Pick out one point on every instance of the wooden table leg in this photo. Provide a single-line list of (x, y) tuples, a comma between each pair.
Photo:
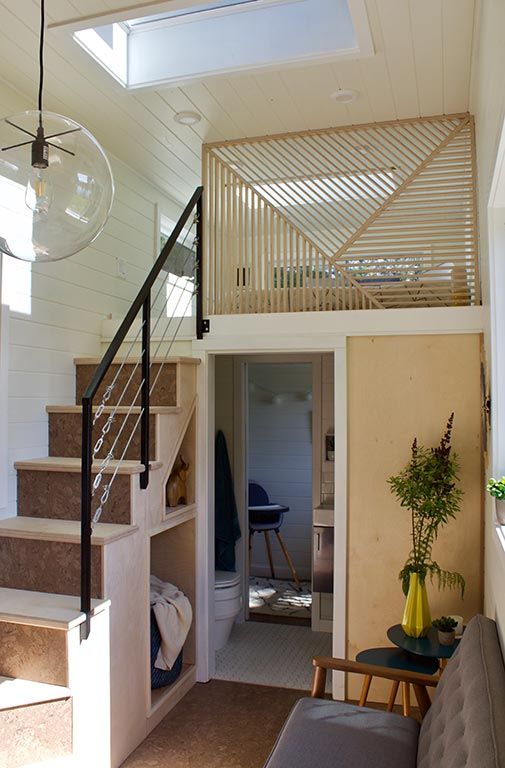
[(392, 695), (364, 691), (423, 699), (269, 551), (406, 699)]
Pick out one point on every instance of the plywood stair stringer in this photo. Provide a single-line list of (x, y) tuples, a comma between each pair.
[(173, 453)]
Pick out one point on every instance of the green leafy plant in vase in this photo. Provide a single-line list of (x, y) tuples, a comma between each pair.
[(427, 488)]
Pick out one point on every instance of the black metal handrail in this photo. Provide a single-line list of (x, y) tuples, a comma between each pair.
[(141, 302)]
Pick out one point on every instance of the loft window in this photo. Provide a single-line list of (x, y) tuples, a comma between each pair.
[(179, 43)]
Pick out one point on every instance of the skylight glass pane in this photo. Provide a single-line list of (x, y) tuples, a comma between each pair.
[(213, 6)]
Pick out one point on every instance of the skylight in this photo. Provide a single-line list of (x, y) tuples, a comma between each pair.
[(187, 11), (191, 39)]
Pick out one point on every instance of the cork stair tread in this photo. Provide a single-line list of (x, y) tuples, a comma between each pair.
[(161, 410), (71, 464), (15, 692), (53, 529), (44, 609), (128, 361)]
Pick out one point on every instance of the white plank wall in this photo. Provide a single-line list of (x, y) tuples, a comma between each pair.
[(70, 300), (280, 459)]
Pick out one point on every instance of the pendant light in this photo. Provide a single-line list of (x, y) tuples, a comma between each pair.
[(56, 185)]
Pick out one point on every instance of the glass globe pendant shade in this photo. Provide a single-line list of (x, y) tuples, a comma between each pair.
[(56, 186)]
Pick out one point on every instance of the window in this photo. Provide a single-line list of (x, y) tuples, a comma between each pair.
[(180, 296), (180, 280), (16, 284), (15, 275)]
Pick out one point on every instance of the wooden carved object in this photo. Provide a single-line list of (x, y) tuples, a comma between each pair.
[(176, 485)]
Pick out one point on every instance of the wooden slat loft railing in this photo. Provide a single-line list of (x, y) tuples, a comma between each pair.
[(359, 217)]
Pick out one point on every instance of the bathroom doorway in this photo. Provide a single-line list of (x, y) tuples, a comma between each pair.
[(276, 412), (279, 474)]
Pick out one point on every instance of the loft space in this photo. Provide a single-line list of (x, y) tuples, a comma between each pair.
[(179, 43)]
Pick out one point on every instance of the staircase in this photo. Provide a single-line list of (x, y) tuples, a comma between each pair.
[(40, 581), (75, 687)]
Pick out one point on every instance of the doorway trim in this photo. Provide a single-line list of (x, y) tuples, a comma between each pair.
[(273, 345), (240, 447)]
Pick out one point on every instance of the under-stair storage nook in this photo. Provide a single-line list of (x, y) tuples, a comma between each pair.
[(173, 560)]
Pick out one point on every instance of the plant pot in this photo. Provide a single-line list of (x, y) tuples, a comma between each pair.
[(500, 511), (446, 638), (416, 616)]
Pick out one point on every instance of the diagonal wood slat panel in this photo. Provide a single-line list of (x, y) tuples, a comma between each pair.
[(257, 261), (384, 212)]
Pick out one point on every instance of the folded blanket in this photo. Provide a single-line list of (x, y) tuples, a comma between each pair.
[(173, 615)]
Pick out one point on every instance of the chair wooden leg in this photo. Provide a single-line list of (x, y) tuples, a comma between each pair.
[(364, 690), (319, 683), (288, 558), (392, 695), (406, 699), (269, 551)]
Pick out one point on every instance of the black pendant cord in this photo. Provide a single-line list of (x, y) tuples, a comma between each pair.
[(41, 56), (40, 139)]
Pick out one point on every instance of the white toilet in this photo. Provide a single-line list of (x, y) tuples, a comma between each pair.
[(227, 605)]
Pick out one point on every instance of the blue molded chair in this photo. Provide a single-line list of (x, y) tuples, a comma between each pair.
[(264, 516)]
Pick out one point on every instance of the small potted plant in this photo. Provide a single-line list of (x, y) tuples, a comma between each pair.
[(446, 626), (496, 488)]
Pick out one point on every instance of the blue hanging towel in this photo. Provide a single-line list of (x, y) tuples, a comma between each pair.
[(227, 524)]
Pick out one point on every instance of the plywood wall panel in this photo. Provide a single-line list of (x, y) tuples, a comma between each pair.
[(400, 387)]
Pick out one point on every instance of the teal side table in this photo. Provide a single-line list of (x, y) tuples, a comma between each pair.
[(395, 658)]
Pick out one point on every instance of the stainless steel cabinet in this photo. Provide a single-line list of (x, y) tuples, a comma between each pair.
[(322, 559)]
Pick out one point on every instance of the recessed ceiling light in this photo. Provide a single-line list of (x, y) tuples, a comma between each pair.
[(187, 118), (344, 95)]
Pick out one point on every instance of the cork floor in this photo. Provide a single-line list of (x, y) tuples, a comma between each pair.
[(217, 725)]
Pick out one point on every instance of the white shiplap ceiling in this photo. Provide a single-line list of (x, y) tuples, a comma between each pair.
[(421, 67)]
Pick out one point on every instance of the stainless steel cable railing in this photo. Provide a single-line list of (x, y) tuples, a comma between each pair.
[(143, 304)]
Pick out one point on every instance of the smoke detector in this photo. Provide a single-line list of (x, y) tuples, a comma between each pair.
[(344, 95)]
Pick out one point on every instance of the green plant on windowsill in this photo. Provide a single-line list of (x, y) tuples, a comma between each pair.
[(496, 488), (427, 488)]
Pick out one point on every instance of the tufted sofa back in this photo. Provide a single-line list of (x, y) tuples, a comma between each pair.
[(465, 726)]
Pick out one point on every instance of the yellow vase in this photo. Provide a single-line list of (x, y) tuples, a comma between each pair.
[(416, 616)]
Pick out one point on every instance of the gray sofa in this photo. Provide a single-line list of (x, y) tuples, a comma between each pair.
[(463, 728)]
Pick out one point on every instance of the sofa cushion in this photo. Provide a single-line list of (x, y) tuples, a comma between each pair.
[(464, 726), (331, 734)]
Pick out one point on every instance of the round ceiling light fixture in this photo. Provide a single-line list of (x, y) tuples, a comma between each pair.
[(344, 95), (187, 118), (56, 185)]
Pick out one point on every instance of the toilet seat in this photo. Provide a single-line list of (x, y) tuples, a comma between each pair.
[(226, 579)]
